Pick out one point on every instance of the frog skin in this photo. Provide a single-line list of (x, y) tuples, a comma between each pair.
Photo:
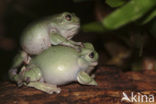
[(58, 65), (54, 30)]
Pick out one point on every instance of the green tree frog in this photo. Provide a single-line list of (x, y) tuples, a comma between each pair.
[(54, 30), (58, 65)]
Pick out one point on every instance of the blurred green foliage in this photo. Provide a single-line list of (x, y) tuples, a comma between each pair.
[(150, 17), (129, 12), (115, 3), (153, 28), (76, 1)]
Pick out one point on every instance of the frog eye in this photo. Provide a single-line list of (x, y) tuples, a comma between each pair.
[(91, 55), (68, 17)]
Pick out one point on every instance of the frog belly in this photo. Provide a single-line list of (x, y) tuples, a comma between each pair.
[(59, 77), (58, 64)]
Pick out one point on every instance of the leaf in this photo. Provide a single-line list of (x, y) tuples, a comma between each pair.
[(153, 28), (115, 3), (131, 11), (150, 17), (94, 26), (77, 1)]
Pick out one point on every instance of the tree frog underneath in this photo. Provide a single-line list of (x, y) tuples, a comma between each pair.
[(53, 30), (58, 65)]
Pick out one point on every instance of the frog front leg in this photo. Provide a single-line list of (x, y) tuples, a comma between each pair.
[(57, 39), (32, 77), (84, 78)]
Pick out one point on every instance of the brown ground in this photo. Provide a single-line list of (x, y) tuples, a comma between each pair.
[(111, 84)]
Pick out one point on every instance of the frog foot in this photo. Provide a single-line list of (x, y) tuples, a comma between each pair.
[(45, 87), (52, 90), (20, 83), (92, 76), (80, 44), (27, 59)]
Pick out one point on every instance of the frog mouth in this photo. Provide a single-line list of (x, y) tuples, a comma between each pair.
[(72, 32), (76, 25), (94, 63)]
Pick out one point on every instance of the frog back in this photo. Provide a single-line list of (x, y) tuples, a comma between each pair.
[(35, 38)]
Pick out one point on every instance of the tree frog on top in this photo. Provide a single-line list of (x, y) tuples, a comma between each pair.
[(58, 65), (54, 30)]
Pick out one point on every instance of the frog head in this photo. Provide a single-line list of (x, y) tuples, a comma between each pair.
[(88, 56), (67, 24)]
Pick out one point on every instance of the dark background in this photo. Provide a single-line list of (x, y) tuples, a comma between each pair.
[(15, 15)]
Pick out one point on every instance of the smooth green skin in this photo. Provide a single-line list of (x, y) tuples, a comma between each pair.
[(58, 65), (54, 30)]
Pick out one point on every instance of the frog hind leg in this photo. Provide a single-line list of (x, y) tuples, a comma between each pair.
[(13, 75), (20, 58), (32, 77), (45, 87), (17, 62)]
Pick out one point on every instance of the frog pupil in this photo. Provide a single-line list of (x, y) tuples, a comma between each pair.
[(91, 55)]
